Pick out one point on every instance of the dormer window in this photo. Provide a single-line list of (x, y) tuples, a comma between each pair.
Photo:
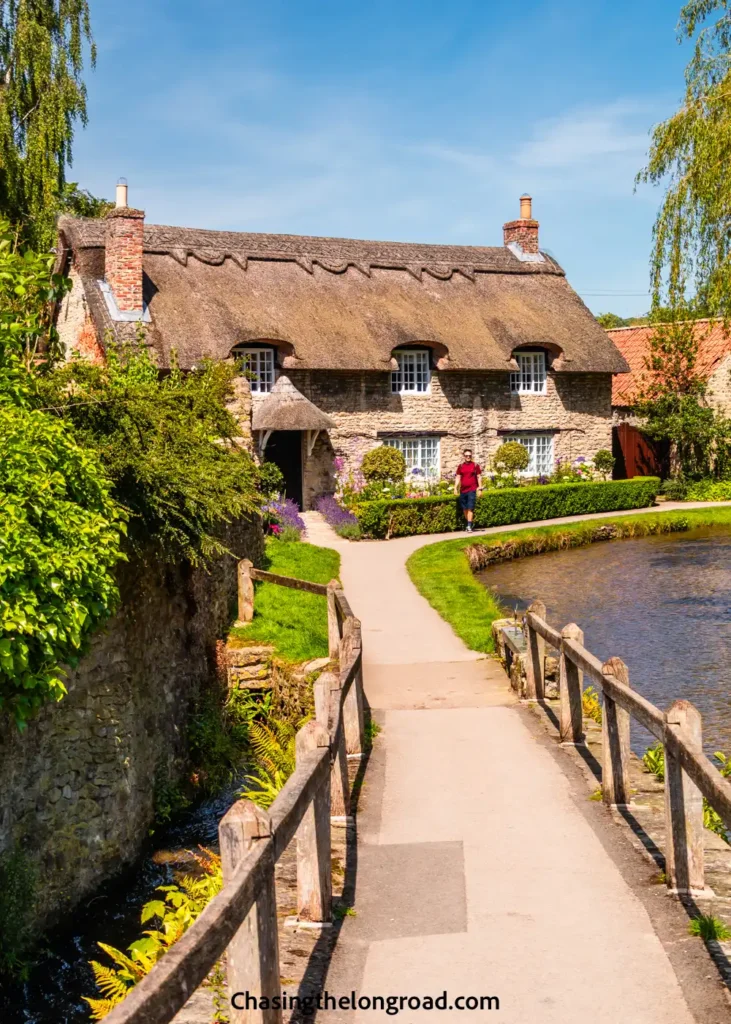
[(258, 364), (531, 377), (413, 375)]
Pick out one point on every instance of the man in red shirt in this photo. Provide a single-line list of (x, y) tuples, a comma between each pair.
[(467, 485)]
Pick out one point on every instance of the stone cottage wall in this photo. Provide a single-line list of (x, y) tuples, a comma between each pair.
[(475, 409), (77, 788)]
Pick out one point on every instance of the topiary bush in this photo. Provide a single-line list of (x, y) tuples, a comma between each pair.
[(384, 464), (501, 507), (512, 456), (604, 462)]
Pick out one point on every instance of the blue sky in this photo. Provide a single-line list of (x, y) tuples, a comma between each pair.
[(409, 119)]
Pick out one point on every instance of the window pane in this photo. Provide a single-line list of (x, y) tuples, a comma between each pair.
[(421, 453), (413, 373), (259, 366), (540, 450), (532, 374)]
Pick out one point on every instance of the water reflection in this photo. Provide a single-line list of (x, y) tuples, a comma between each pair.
[(662, 604)]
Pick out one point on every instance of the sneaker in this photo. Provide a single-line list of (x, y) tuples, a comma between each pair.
[(469, 527)]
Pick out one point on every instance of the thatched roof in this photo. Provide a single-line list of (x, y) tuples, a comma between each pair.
[(286, 408), (345, 304)]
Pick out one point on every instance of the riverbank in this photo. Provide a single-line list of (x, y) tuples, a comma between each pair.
[(443, 572)]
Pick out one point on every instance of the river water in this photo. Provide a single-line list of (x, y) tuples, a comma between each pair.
[(662, 604), (60, 975)]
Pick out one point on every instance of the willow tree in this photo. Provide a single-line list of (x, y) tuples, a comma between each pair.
[(42, 95), (691, 154)]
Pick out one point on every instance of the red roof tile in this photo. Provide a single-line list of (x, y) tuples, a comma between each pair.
[(634, 344)]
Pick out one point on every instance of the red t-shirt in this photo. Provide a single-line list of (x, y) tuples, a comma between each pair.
[(468, 473)]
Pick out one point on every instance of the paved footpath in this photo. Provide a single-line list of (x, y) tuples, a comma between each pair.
[(478, 871)]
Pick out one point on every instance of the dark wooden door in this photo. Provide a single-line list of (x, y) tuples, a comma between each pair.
[(284, 448), (637, 455)]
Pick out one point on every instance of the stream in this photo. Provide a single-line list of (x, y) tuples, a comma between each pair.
[(61, 975), (662, 604)]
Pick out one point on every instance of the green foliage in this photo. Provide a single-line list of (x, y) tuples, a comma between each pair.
[(273, 746), (175, 913), (675, 489), (289, 535), (604, 462), (609, 320), (59, 542), (79, 202), (591, 705), (271, 479), (689, 155), (18, 885), (349, 531), (384, 464), (511, 457), (709, 928), (442, 573), (218, 735), (704, 490), (41, 56), (166, 442), (654, 761), (503, 506), (293, 621)]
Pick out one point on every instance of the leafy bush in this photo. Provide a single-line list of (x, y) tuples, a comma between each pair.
[(591, 705), (604, 462), (504, 506), (384, 463), (166, 443), (654, 761), (675, 489), (707, 490), (512, 456), (271, 479), (60, 534)]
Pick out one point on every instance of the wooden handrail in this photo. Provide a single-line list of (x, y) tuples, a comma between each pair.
[(242, 918), (689, 774)]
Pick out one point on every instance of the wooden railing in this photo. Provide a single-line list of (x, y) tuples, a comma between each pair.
[(689, 774), (241, 920)]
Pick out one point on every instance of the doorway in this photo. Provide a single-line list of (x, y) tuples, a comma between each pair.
[(284, 449)]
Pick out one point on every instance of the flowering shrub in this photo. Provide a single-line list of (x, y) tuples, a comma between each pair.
[(342, 521), (284, 519)]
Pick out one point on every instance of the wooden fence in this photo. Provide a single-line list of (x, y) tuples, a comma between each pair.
[(689, 774), (241, 920)]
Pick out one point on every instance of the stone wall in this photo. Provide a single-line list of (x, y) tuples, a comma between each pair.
[(475, 409), (77, 787)]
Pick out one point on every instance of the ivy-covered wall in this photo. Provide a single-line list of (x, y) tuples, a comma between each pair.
[(77, 788)]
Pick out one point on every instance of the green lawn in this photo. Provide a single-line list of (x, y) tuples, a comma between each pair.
[(293, 621), (441, 572)]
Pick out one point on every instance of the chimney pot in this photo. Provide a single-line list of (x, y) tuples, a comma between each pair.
[(121, 193), (523, 232)]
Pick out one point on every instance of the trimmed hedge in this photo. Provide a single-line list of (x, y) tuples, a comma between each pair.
[(708, 490), (501, 507)]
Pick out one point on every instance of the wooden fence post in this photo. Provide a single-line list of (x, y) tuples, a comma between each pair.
[(253, 953), (616, 790), (571, 686), (333, 627), (314, 868), (246, 592), (535, 656), (327, 709), (351, 646), (684, 860)]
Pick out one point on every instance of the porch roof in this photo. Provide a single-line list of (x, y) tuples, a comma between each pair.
[(286, 408)]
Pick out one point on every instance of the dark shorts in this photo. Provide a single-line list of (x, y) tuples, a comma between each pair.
[(467, 501)]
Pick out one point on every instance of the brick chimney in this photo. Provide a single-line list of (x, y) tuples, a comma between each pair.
[(523, 232), (123, 258)]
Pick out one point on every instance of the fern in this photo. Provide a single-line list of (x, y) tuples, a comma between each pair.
[(273, 746), (178, 909), (591, 705)]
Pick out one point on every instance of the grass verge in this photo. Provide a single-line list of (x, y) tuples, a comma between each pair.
[(443, 574), (294, 622)]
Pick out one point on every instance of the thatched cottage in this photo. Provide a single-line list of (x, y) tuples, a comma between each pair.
[(351, 344)]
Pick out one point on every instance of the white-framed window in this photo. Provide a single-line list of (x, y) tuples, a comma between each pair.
[(259, 366), (413, 375), (531, 377), (540, 449), (420, 453)]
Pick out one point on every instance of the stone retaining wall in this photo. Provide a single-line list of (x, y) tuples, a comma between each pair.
[(77, 788)]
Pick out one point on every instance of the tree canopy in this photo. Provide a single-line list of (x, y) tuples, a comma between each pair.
[(42, 96), (691, 151)]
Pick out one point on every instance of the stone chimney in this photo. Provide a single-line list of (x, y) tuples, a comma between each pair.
[(123, 258), (523, 232)]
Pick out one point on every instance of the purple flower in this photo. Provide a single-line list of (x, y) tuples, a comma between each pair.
[(333, 513), (338, 463), (286, 513), (581, 459)]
